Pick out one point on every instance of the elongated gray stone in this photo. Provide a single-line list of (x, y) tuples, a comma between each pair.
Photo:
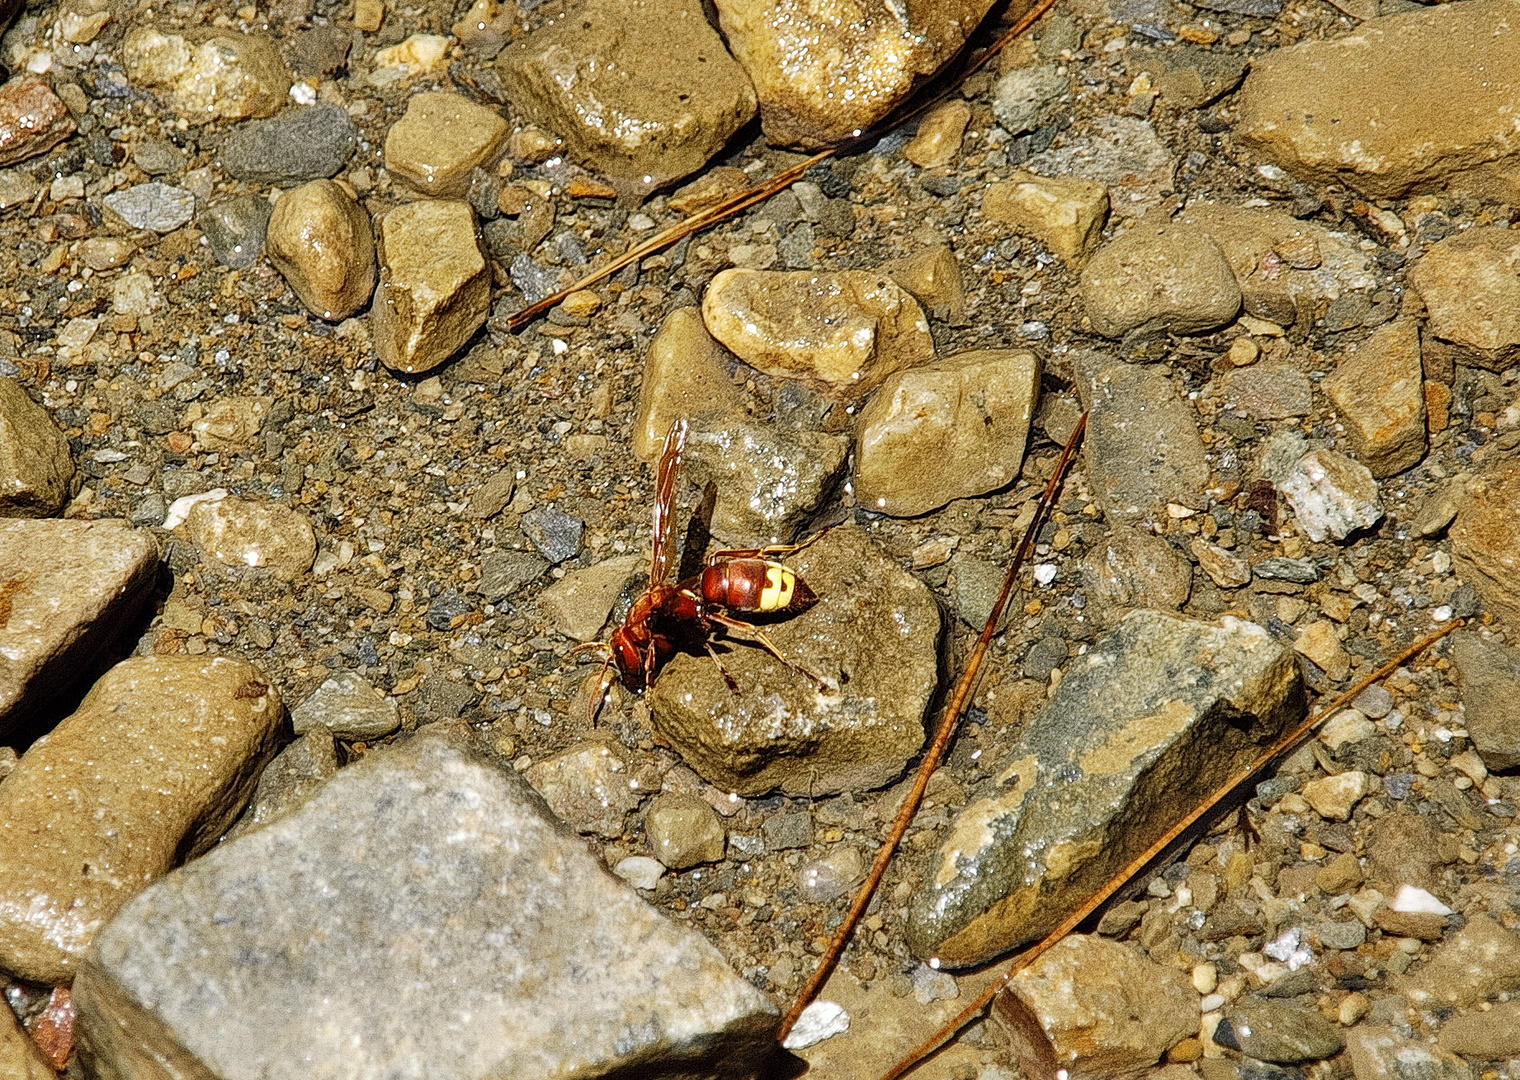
[(67, 589), (1156, 715), (421, 915)]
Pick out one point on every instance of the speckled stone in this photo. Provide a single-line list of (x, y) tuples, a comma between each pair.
[(210, 74), (435, 286), (36, 467)]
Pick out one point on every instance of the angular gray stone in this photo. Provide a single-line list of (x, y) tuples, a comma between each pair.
[(1023, 98), (36, 468), (349, 707), (872, 635), (1477, 963), (70, 589), (157, 207), (1142, 447), (425, 907), (298, 145), (1332, 495), (770, 479), (290, 779), (236, 228), (1153, 717)]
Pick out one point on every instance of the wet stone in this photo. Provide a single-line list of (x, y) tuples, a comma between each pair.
[(73, 587), (685, 376), (1169, 278), (591, 787), (236, 227), (1121, 739), (208, 75), (1278, 1032), (311, 143), (435, 286), (349, 707), (847, 329), (640, 91), (33, 120), (36, 467), (1489, 675), (1142, 449), (1471, 287), (769, 479), (442, 855), (879, 50), (872, 635), (200, 730), (943, 431), (683, 831), (1382, 1053), (243, 533), (1331, 495), (157, 207), (1407, 102), (320, 240), (1066, 214), (1378, 389), (1096, 1007), (441, 140), (556, 534)]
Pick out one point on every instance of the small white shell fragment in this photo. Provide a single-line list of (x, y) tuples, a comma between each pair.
[(1417, 901), (640, 871), (820, 1020), (179, 509)]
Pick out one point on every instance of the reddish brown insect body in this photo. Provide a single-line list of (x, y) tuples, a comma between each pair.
[(685, 616)]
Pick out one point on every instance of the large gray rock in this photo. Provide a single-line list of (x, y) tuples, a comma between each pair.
[(71, 588), (872, 634), (1156, 715), (1142, 447), (422, 915)]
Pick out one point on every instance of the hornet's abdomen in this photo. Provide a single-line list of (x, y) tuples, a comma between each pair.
[(755, 585)]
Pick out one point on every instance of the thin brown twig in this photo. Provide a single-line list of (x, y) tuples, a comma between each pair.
[(1072, 921), (964, 689), (760, 192)]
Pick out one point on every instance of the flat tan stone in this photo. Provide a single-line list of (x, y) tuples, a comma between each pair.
[(67, 590), (1379, 391), (948, 430), (240, 532), (639, 89), (938, 139), (19, 1057), (1401, 104), (933, 276), (155, 765), (848, 330), (1485, 540), (685, 375), (441, 139), (33, 120), (1471, 287), (36, 468), (1066, 214), (829, 69), (321, 240), (435, 287), (1171, 278)]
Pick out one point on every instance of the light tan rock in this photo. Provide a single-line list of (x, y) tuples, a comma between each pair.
[(71, 587), (243, 533), (683, 831), (933, 276), (685, 375), (1066, 214), (1471, 287), (827, 69), (435, 287), (1379, 391), (1169, 278), (938, 139), (19, 1057), (578, 603), (36, 468), (231, 423), (1097, 1008), (1485, 539), (1402, 104), (1227, 570), (1334, 797), (208, 75), (33, 120), (848, 330), (948, 430), (441, 139), (640, 90), (157, 762), (320, 239)]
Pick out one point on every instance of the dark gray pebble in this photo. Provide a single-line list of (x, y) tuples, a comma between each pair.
[(298, 145)]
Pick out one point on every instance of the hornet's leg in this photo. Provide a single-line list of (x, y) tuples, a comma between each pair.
[(751, 632)]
